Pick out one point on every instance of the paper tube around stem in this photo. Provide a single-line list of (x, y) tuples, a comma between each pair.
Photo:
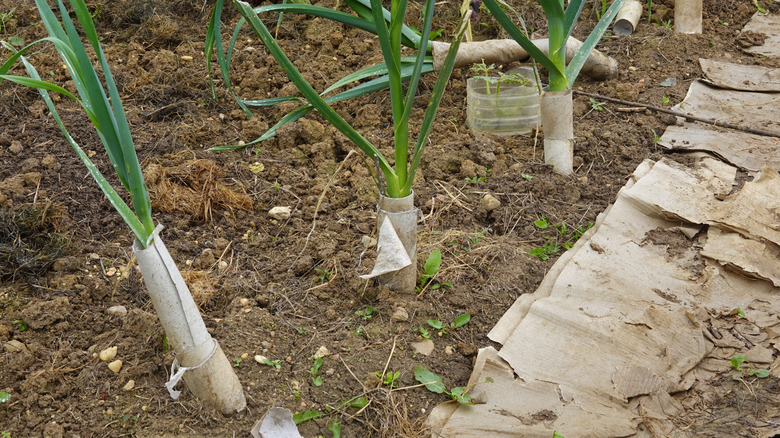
[(558, 125), (213, 379), (403, 217), (687, 16)]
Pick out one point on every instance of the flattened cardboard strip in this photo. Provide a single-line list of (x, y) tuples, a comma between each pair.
[(747, 108), (741, 77), (747, 151), (768, 25)]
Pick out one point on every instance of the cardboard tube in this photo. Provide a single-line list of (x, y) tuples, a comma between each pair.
[(558, 125), (627, 17), (597, 66), (403, 217), (206, 370), (687, 16)]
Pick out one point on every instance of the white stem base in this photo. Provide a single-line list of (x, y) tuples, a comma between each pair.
[(403, 217), (204, 366), (558, 125)]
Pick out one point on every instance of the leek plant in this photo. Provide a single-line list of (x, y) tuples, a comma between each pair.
[(397, 216), (211, 377), (557, 120), (364, 19)]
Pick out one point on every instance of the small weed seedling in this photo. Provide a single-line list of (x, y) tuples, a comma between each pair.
[(434, 383), (389, 379), (334, 427), (300, 417), (665, 100), (656, 138), (460, 321), (598, 106), (5, 17), (755, 2), (482, 71), (238, 362), (272, 363), (4, 397), (431, 268), (315, 368), (365, 314), (737, 363), (323, 274), (564, 238), (423, 332), (20, 325), (476, 179)]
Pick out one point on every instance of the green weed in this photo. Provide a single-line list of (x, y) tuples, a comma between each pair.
[(434, 384), (315, 368), (563, 239), (737, 363)]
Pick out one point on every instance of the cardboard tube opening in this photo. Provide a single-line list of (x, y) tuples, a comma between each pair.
[(558, 125), (627, 17), (687, 16)]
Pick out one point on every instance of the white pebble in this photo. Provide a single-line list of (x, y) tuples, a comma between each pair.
[(117, 310), (280, 213), (108, 354), (115, 366)]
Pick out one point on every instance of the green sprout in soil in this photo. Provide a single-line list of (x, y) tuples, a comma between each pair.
[(389, 379), (665, 101), (598, 106), (564, 238), (238, 362), (434, 383), (20, 325), (334, 427), (272, 363), (430, 270), (365, 314), (315, 368), (423, 332), (737, 363), (475, 179), (656, 138), (458, 322), (5, 17), (4, 397), (323, 274), (301, 417)]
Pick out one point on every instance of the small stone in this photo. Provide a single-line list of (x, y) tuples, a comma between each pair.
[(94, 256), (245, 356), (186, 58), (13, 346), (117, 310), (110, 411), (448, 350), (399, 315), (223, 264), (632, 68), (489, 203), (129, 385), (244, 302), (424, 347), (330, 371), (115, 366), (260, 359), (280, 213), (111, 272), (266, 344), (321, 352), (108, 354), (15, 147)]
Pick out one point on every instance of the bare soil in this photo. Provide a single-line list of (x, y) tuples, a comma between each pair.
[(285, 288)]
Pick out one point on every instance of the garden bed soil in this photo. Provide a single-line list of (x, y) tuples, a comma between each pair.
[(284, 288)]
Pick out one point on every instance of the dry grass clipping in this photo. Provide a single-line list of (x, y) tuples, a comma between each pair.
[(195, 187)]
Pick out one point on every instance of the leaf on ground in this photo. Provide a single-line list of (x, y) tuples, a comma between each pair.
[(431, 381)]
